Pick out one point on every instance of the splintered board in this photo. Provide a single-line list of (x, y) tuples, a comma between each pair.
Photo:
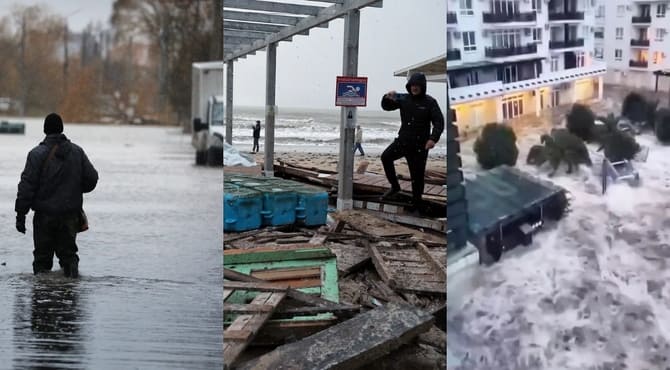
[(412, 269), (245, 327), (307, 268), (352, 344)]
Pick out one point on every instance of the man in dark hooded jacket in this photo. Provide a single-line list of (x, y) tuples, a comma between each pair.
[(56, 175), (415, 138)]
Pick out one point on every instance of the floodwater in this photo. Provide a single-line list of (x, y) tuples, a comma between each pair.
[(149, 295)]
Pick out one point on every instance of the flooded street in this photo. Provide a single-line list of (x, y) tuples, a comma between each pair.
[(149, 295)]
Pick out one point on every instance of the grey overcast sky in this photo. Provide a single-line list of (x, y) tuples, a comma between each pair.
[(85, 11), (402, 33)]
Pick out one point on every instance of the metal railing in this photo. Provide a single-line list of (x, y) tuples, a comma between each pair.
[(509, 17), (562, 44), (500, 52)]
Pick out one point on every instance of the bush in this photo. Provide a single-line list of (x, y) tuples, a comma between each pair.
[(619, 146), (635, 108), (662, 127), (581, 122), (496, 146)]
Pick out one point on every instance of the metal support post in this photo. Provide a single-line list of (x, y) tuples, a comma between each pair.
[(270, 108), (348, 116), (229, 102)]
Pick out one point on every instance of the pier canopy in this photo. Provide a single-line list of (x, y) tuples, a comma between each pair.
[(435, 69), (252, 25)]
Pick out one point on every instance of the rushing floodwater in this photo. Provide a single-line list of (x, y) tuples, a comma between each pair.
[(149, 296)]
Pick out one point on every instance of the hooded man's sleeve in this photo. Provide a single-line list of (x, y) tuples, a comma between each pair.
[(89, 175), (27, 186), (389, 104), (438, 122)]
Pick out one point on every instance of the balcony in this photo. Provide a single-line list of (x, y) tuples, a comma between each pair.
[(642, 19), (502, 52), (639, 43), (453, 54), (638, 64), (566, 16), (599, 35), (451, 18), (509, 17), (565, 44)]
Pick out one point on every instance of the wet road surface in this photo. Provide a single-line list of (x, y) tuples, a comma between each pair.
[(149, 295)]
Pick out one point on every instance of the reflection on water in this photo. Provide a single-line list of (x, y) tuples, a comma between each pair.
[(149, 295), (55, 313)]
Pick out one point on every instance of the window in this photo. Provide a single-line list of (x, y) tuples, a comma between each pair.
[(599, 33), (660, 10), (472, 78), (504, 6), (618, 54), (660, 32), (510, 74), (506, 39), (554, 64), (466, 7), (600, 12), (598, 53), (537, 34), (620, 10), (536, 5), (580, 59), (469, 41), (619, 33), (512, 107), (659, 57)]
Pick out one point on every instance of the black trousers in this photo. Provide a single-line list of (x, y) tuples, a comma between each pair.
[(416, 157), (256, 146), (54, 234)]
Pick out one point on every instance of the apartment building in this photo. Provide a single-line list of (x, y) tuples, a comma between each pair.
[(508, 58), (632, 38)]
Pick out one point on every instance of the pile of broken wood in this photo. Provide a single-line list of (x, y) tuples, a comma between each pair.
[(392, 300)]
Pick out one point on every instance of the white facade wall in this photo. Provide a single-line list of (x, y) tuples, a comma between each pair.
[(619, 71)]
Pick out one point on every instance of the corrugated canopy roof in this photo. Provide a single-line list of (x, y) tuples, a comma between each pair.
[(251, 25), (435, 69)]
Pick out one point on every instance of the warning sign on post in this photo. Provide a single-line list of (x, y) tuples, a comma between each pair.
[(351, 91)]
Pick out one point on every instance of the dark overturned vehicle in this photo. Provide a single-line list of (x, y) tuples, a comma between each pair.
[(207, 113)]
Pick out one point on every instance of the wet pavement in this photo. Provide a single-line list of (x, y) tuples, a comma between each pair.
[(149, 295)]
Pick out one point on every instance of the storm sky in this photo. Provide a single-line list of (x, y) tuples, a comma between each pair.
[(401, 34)]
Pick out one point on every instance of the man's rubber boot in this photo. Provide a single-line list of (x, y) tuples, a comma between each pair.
[(391, 192), (71, 270)]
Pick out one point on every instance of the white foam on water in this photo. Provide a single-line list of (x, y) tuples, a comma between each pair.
[(589, 293)]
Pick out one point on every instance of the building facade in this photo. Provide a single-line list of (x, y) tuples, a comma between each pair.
[(632, 38), (509, 58)]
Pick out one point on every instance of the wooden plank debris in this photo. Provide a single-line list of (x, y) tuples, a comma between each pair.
[(350, 344), (244, 328), (411, 269), (349, 258), (370, 225)]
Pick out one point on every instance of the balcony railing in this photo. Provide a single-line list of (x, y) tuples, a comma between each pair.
[(501, 52), (509, 17), (639, 63), (639, 42), (453, 54), (566, 16), (563, 44), (451, 18), (642, 19), (599, 35)]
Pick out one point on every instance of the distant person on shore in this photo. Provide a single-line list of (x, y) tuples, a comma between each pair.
[(417, 111), (359, 140), (56, 175), (257, 135)]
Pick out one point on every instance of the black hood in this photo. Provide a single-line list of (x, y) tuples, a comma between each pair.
[(417, 79)]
